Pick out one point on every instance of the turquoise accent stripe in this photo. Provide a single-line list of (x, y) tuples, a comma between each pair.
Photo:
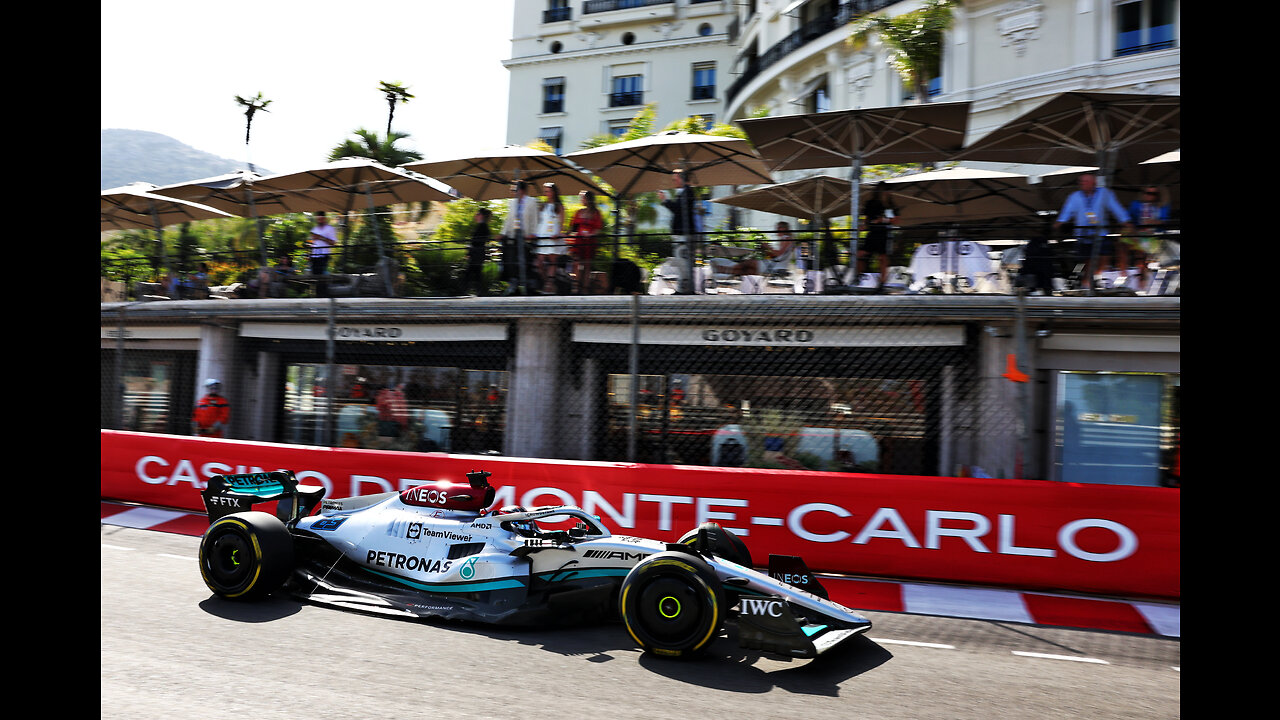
[(562, 575), (811, 630), (453, 587)]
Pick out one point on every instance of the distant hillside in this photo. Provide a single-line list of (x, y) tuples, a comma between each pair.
[(141, 156)]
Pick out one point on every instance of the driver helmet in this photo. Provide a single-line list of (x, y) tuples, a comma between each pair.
[(527, 528)]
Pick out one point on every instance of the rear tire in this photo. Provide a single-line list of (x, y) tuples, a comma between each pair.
[(672, 604), (724, 544), (245, 556)]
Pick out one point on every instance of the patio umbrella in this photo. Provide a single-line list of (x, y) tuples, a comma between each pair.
[(931, 132), (234, 193), (817, 197), (134, 206), (645, 164), (961, 194), (488, 176), (1109, 130), (341, 184)]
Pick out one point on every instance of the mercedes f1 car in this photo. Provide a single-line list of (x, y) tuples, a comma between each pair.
[(441, 551)]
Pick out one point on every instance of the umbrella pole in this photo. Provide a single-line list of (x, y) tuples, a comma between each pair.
[(381, 267), (257, 224), (856, 180), (164, 256)]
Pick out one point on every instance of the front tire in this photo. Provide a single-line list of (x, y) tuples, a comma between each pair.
[(245, 556), (672, 604)]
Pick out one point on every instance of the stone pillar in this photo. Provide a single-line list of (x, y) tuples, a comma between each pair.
[(533, 400)]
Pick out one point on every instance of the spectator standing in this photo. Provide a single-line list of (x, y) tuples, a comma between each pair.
[(518, 230), (212, 413), (878, 214), (584, 232), (477, 252), (323, 238), (550, 244), (1086, 210), (683, 226), (1149, 213)]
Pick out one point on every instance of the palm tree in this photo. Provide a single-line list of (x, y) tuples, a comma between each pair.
[(368, 144), (251, 106), (394, 92), (913, 40)]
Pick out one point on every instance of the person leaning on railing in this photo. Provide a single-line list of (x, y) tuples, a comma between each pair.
[(1086, 212)]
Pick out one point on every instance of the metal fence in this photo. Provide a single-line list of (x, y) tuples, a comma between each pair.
[(841, 383)]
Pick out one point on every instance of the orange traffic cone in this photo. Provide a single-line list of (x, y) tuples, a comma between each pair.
[(1011, 370)]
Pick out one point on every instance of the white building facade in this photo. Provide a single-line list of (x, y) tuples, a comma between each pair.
[(1003, 56), (586, 67)]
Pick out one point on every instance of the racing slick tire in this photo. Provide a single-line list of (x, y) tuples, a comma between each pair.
[(672, 604), (246, 555), (724, 544)]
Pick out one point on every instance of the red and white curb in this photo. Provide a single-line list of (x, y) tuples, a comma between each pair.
[(1017, 606)]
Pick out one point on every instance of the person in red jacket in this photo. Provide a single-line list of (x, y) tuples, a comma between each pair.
[(212, 413)]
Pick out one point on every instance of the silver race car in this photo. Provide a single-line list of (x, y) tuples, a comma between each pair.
[(439, 551)]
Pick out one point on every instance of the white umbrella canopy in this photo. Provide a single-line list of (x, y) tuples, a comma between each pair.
[(488, 176), (820, 196), (344, 184), (1110, 130), (646, 164), (134, 206), (931, 132), (234, 193), (961, 194)]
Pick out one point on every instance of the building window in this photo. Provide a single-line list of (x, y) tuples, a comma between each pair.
[(818, 100), (557, 11), (553, 95), (391, 407), (934, 89), (627, 90), (707, 121), (704, 81), (553, 136), (1117, 428), (617, 128), (1144, 25)]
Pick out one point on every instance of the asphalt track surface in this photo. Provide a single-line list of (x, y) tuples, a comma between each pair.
[(171, 649)]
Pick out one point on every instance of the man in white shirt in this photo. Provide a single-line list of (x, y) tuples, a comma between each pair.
[(323, 238), (517, 227)]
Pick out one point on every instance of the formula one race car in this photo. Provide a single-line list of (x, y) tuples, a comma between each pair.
[(437, 551)]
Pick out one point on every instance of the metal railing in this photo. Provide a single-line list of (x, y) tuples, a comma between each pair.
[(428, 267)]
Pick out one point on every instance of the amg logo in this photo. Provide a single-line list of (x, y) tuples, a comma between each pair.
[(615, 555), (757, 606)]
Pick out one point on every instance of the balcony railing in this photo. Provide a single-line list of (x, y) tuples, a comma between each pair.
[(557, 14), (624, 99), (810, 31), (598, 6), (704, 92)]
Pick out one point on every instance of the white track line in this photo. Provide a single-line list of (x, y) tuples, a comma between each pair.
[(1072, 658)]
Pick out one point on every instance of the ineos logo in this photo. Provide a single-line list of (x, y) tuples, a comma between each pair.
[(423, 496)]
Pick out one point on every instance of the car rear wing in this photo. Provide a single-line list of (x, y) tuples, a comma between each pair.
[(228, 494)]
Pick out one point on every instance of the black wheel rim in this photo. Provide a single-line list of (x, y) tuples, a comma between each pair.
[(229, 560), (671, 610)]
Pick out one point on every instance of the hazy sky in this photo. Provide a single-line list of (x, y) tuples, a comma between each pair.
[(175, 67)]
